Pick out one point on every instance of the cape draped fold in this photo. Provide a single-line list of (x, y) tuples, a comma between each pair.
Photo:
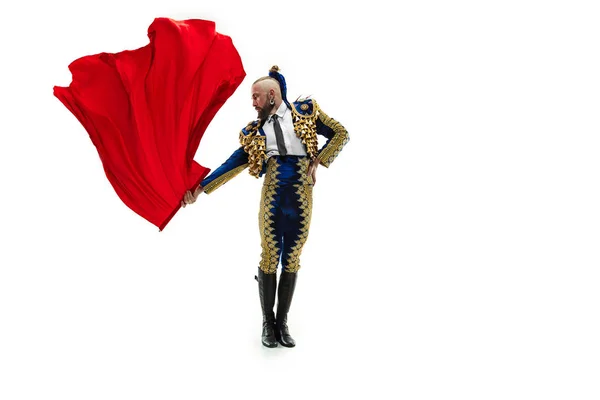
[(146, 110)]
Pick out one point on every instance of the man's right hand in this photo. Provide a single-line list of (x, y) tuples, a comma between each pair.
[(190, 198)]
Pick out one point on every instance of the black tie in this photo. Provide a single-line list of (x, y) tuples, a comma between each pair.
[(279, 136)]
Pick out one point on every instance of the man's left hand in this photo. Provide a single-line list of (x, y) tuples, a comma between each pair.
[(312, 170)]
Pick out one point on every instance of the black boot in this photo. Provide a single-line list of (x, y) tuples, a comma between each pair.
[(266, 290), (287, 284)]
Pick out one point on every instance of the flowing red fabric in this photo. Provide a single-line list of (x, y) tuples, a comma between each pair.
[(146, 110)]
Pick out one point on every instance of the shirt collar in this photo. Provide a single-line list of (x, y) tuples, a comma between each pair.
[(280, 111)]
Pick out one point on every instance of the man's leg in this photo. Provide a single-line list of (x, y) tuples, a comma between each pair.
[(266, 290), (271, 252), (294, 236)]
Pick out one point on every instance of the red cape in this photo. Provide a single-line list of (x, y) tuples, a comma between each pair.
[(146, 110)]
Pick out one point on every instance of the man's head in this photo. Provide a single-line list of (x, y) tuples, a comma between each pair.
[(266, 96)]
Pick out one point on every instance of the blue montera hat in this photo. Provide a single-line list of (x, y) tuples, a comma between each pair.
[(274, 73)]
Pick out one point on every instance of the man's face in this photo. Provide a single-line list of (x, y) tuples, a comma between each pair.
[(260, 102)]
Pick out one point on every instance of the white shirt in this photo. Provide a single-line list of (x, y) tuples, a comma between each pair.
[(293, 144)]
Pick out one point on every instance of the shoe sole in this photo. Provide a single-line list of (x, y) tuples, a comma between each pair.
[(287, 345)]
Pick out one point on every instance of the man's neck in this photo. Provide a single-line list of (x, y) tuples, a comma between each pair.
[(276, 106)]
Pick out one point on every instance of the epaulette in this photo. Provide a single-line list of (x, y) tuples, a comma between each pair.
[(304, 118), (251, 128), (304, 106)]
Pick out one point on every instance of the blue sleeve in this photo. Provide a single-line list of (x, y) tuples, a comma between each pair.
[(337, 137), (235, 164)]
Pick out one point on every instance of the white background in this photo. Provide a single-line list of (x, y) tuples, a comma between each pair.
[(454, 248)]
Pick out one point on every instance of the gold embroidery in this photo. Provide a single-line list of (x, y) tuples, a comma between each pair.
[(335, 145), (305, 127), (304, 192), (221, 180), (272, 172), (270, 251), (303, 164), (254, 144)]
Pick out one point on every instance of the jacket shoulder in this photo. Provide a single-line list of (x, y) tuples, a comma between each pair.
[(306, 107), (250, 128)]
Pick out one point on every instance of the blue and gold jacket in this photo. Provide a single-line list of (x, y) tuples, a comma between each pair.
[(309, 121)]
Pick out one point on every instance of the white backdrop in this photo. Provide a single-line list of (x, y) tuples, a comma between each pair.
[(453, 252)]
